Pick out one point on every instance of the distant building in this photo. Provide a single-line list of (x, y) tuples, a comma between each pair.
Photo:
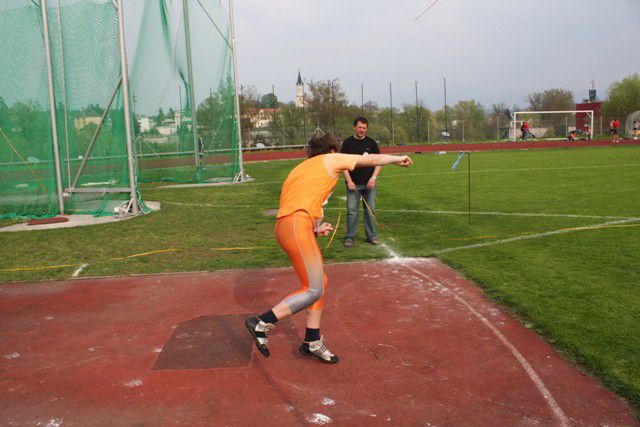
[(264, 117), (300, 100), (146, 124), (168, 127), (82, 122)]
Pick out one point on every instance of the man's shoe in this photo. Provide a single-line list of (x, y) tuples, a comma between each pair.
[(348, 243), (259, 330), (318, 350), (374, 241)]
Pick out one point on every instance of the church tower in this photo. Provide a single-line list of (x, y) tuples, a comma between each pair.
[(299, 92)]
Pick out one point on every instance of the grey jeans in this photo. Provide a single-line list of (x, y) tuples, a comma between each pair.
[(353, 200)]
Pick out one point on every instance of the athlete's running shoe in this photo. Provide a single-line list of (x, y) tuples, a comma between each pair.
[(318, 350), (259, 330)]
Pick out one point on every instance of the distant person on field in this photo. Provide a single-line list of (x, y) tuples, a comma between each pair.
[(299, 221), (524, 128), (614, 130), (201, 146), (572, 136), (361, 183), (587, 132), (636, 129)]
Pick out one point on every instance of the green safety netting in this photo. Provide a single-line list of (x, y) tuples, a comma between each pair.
[(27, 179), (89, 109), (185, 104)]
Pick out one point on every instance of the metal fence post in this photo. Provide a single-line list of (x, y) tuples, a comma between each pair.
[(52, 104), (127, 113)]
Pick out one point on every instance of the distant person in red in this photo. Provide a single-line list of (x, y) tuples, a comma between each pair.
[(524, 128), (614, 130), (587, 132), (572, 136)]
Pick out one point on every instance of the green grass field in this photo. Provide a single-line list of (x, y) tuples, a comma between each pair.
[(578, 285)]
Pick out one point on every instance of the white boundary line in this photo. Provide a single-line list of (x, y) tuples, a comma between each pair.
[(420, 211), (535, 378), (535, 236), (523, 214), (537, 381), (400, 175), (78, 270)]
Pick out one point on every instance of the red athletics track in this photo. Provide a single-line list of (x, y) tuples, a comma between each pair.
[(483, 146), (419, 345)]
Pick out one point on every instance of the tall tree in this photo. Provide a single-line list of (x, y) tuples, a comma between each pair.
[(624, 97), (269, 100), (324, 95), (551, 100)]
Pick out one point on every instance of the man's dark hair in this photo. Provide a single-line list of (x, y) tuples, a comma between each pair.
[(322, 144), (360, 119)]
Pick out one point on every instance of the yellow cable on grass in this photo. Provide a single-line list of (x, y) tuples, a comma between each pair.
[(160, 251), (240, 248), (23, 160), (46, 267), (335, 229), (370, 211)]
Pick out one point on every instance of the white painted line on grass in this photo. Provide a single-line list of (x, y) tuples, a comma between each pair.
[(535, 236), (79, 269), (523, 214), (420, 211), (551, 401), (611, 166)]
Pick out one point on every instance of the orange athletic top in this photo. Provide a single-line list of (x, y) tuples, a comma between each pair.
[(310, 184)]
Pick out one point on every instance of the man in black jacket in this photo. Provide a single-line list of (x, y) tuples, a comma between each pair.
[(361, 183)]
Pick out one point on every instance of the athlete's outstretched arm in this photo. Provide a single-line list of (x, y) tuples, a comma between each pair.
[(383, 160)]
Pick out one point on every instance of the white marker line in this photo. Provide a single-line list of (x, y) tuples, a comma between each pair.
[(551, 401), (523, 214), (560, 168), (534, 236), (82, 267), (432, 212), (398, 175)]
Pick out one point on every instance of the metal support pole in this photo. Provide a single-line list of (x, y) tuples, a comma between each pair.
[(95, 135), (64, 94), (274, 122), (393, 136), (235, 81), (469, 183), (194, 104), (417, 115), (127, 113), (446, 109), (462, 130), (52, 105), (498, 128), (304, 118), (333, 108)]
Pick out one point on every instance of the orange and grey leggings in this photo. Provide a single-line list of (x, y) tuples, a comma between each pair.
[(296, 237)]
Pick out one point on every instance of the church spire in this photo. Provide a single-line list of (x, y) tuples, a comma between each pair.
[(299, 82)]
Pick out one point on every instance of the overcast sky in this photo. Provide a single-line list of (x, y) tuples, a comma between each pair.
[(489, 50)]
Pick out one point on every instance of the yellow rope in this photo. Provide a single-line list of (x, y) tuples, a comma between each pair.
[(23, 160), (370, 211), (160, 251), (47, 267), (240, 248), (335, 229)]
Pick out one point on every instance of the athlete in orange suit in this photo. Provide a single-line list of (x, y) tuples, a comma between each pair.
[(299, 220)]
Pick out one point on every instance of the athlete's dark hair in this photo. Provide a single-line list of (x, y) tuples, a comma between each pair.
[(360, 119), (322, 144)]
